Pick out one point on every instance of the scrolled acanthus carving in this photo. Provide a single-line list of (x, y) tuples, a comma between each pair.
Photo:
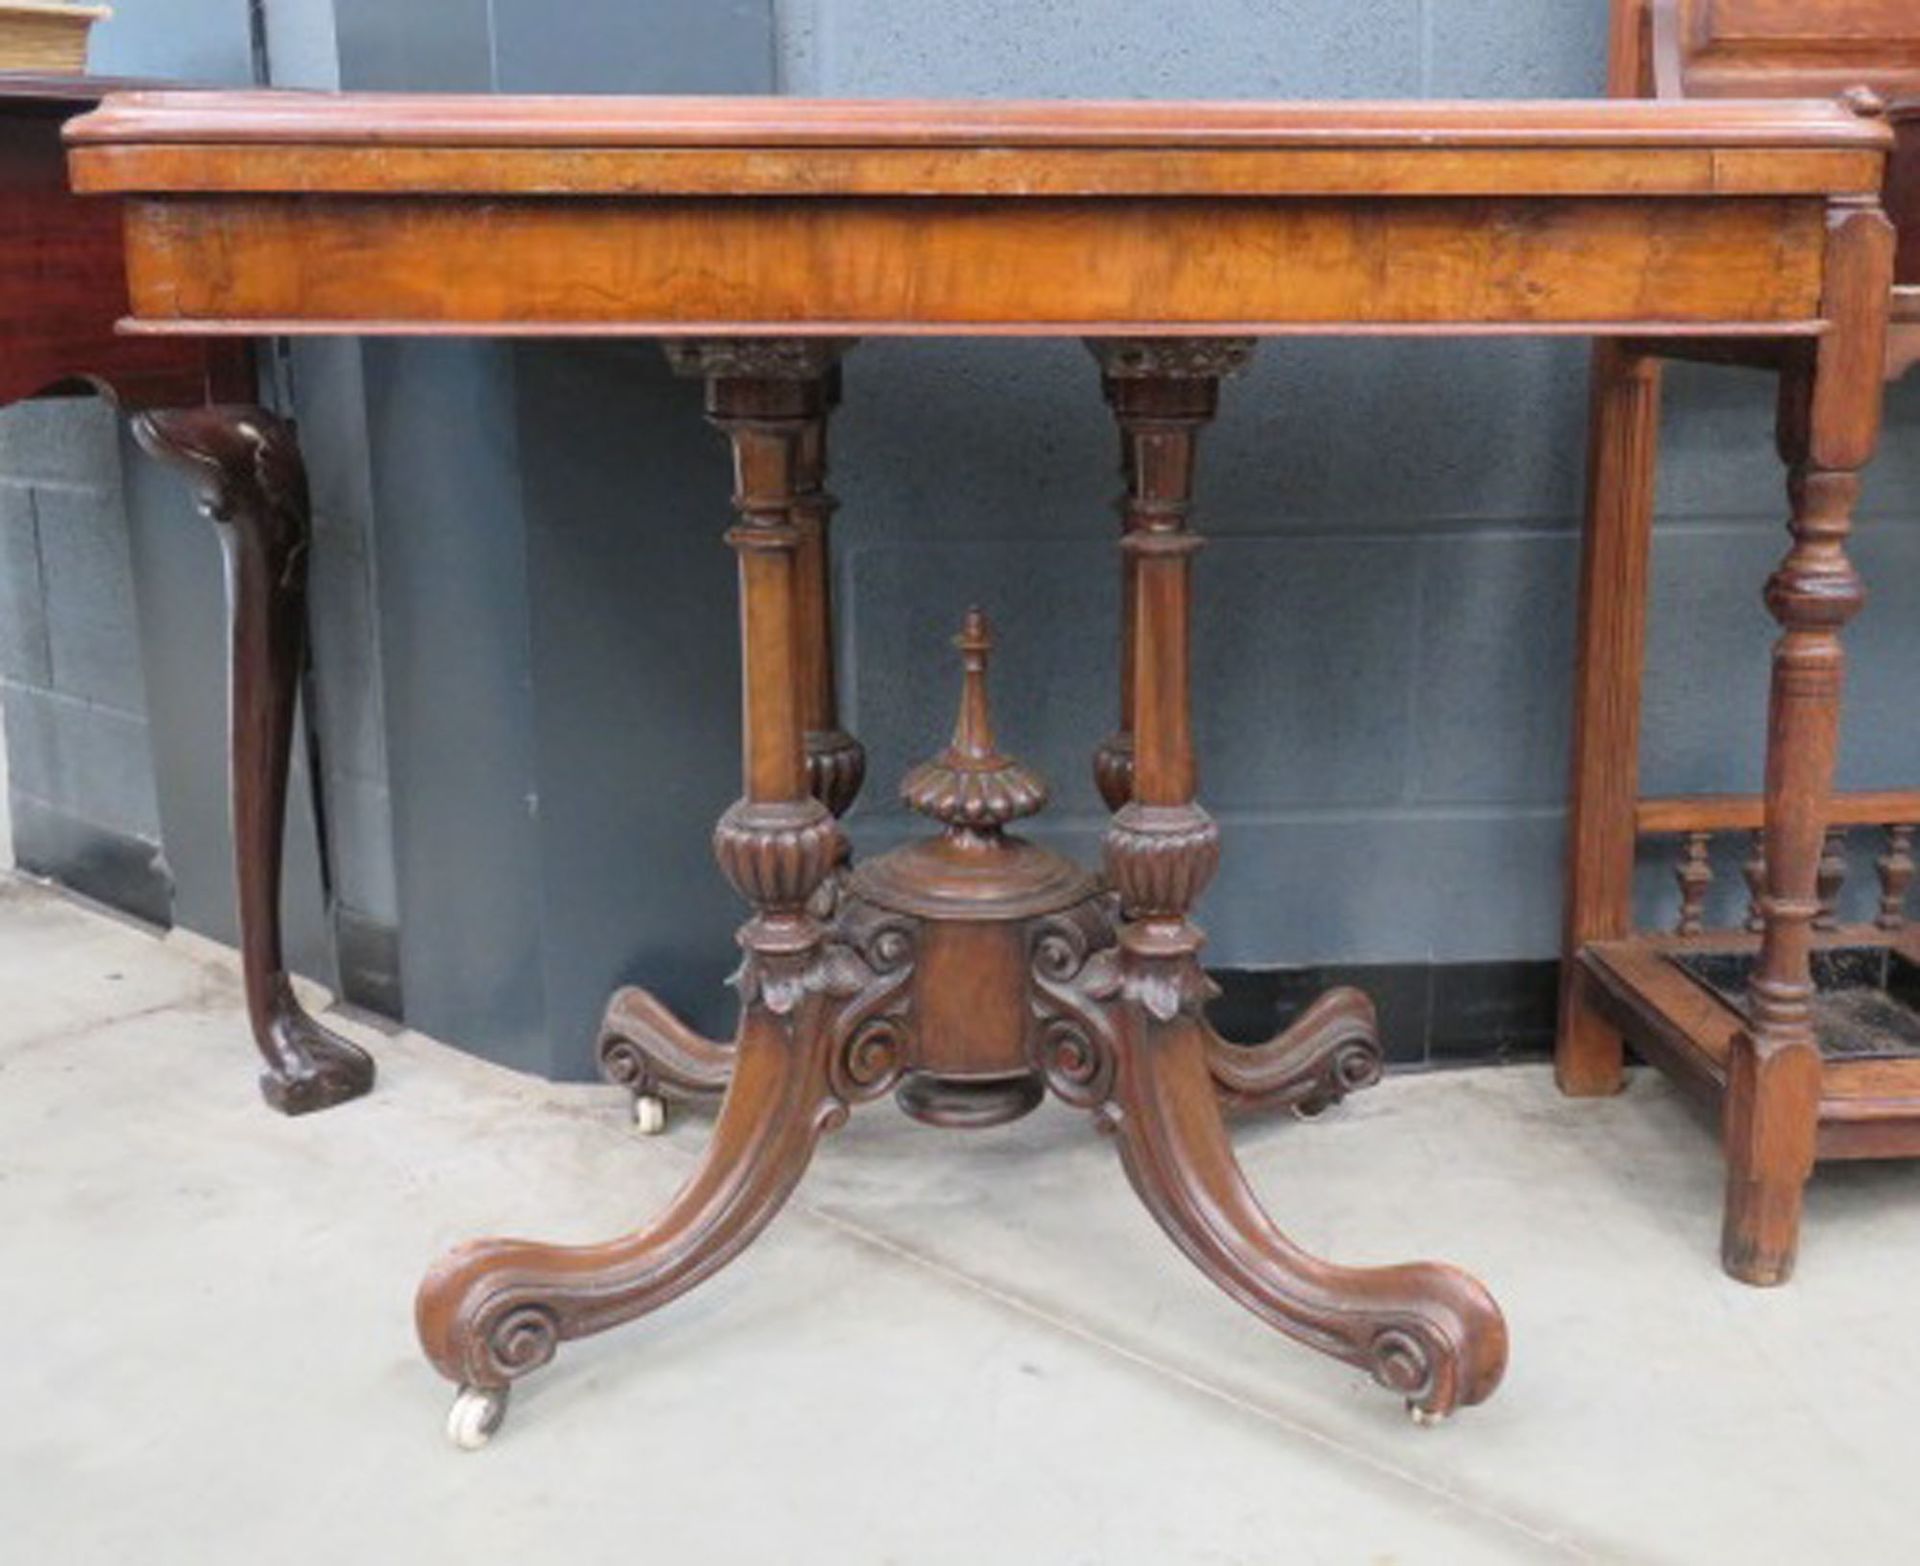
[(1076, 978), (867, 967), (1171, 358), (1164, 984), (1404, 1359), (624, 1064), (514, 1336), (756, 358)]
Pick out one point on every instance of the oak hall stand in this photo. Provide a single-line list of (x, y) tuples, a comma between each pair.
[(968, 973), (62, 289), (1789, 1029)]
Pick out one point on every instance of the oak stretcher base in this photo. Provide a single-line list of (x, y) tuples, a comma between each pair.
[(1867, 1108)]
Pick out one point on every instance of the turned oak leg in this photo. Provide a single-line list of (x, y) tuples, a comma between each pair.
[(497, 1310), (1622, 443), (1162, 393), (1830, 401), (246, 466), (1124, 1035), (643, 1046)]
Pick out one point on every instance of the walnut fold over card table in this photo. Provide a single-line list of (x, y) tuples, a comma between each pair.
[(968, 973)]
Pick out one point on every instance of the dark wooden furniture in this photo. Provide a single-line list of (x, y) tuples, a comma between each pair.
[(967, 973), (1753, 1051), (63, 288)]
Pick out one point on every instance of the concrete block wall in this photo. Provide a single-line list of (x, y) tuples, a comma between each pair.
[(82, 799)]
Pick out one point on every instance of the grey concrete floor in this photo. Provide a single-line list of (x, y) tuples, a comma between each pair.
[(952, 1348)]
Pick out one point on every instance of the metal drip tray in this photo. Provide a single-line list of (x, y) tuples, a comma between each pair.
[(1866, 1003)]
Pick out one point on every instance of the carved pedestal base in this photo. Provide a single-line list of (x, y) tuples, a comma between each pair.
[(967, 974), (868, 1017), (1331, 1049)]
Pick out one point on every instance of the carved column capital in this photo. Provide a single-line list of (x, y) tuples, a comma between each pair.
[(756, 358), (1171, 358)]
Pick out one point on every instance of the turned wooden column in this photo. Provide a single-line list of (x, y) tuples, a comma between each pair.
[(643, 1046), (836, 761), (1830, 404), (1162, 847), (1113, 761), (771, 399)]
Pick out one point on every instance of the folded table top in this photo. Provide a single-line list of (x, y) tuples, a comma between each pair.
[(298, 212), (412, 143)]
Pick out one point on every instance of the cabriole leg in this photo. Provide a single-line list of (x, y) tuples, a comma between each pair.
[(1830, 401), (1123, 1033), (643, 1046), (494, 1311), (246, 466)]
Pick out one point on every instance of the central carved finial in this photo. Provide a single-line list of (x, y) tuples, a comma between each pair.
[(970, 787)]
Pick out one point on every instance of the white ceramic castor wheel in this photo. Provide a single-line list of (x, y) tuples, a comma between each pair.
[(1426, 1418), (649, 1114), (476, 1413)]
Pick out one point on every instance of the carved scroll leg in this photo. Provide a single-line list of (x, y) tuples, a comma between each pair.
[(647, 1050), (1331, 1049), (1428, 1332), (489, 1313), (1124, 1035), (252, 484)]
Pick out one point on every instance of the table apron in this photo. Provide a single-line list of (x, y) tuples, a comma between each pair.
[(953, 265)]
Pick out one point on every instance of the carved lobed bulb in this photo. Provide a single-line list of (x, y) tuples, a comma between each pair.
[(970, 787)]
